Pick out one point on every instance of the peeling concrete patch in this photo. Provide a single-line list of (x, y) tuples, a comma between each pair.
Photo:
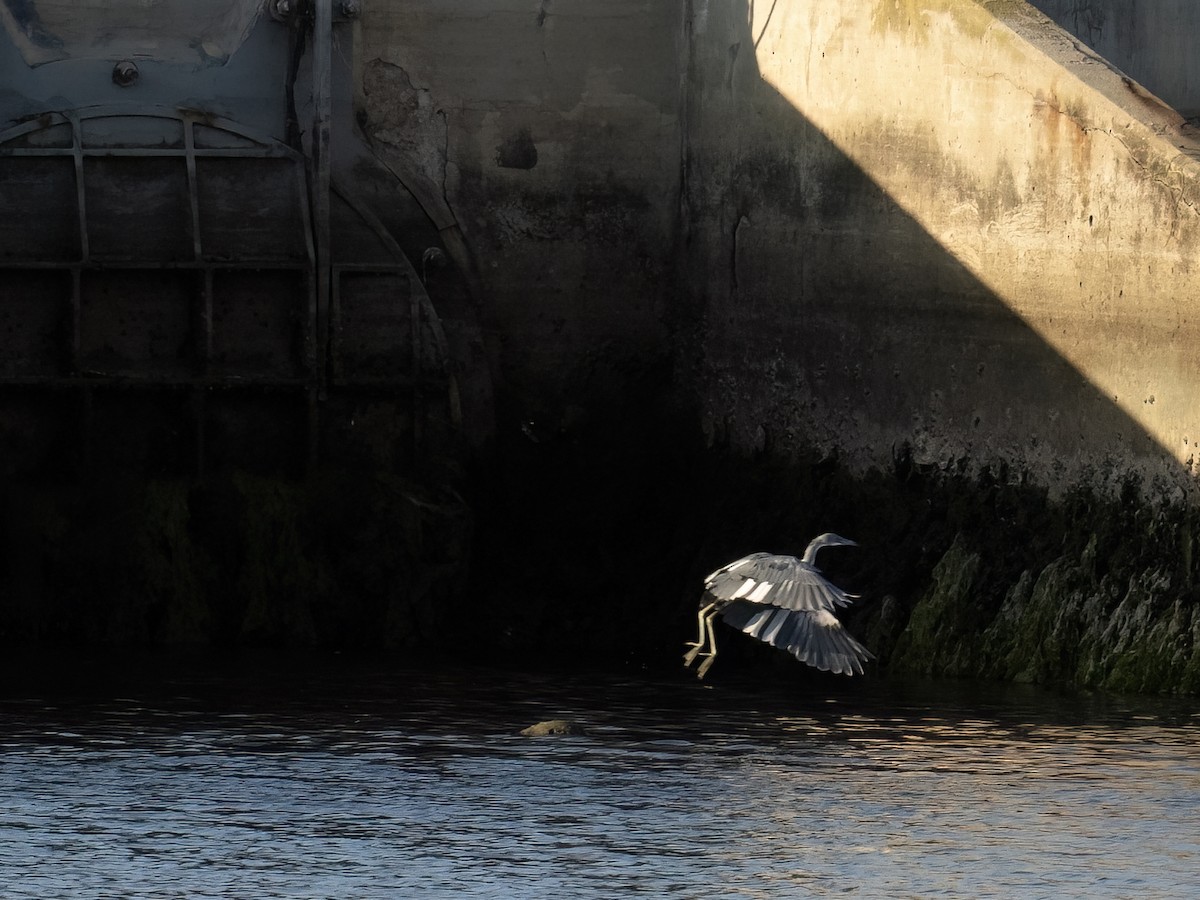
[(405, 119)]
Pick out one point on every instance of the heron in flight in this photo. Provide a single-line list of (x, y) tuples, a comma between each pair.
[(784, 601)]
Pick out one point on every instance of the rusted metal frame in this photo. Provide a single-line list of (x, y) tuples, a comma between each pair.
[(87, 415), (309, 267), (76, 307), (86, 404), (417, 375), (267, 143), (322, 97), (337, 372), (419, 302), (335, 324), (279, 152), (200, 391), (199, 403), (313, 358), (193, 190), (276, 264), (156, 382), (80, 191), (41, 123), (403, 264), (85, 385), (416, 397), (205, 342)]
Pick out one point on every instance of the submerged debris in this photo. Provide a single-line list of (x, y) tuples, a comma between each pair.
[(553, 726)]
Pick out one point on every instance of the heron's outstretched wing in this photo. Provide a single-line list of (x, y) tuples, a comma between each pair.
[(815, 637), (782, 581)]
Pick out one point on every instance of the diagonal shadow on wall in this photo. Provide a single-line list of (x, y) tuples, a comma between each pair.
[(861, 378), (829, 316)]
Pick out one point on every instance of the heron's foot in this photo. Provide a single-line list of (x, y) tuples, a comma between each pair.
[(706, 665), (690, 656)]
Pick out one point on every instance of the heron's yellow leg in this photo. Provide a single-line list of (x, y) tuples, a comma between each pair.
[(700, 621), (711, 656), (704, 621)]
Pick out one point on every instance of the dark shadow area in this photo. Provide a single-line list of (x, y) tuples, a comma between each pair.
[(593, 544), (581, 537), (1149, 40)]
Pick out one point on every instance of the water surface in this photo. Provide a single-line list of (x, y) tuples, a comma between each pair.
[(352, 782)]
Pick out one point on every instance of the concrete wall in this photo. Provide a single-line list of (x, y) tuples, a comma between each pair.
[(1151, 40), (943, 225), (548, 132)]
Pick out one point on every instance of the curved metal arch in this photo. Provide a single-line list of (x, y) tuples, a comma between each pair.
[(270, 144), (87, 149)]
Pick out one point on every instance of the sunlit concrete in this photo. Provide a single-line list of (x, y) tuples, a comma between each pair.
[(942, 226), (1067, 191)]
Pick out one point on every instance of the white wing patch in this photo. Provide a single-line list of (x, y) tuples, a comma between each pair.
[(789, 604), (759, 594), (825, 619), (782, 581), (743, 589)]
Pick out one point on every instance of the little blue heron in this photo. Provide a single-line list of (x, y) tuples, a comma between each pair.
[(784, 601)]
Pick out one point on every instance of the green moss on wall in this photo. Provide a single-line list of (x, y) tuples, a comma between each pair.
[(980, 577), (337, 561), (941, 627), (592, 547)]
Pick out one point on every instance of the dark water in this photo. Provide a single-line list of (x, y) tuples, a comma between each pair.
[(356, 783)]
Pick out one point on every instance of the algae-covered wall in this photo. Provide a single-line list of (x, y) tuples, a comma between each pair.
[(352, 561)]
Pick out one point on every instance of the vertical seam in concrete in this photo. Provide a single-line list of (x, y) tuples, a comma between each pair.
[(441, 113), (322, 63)]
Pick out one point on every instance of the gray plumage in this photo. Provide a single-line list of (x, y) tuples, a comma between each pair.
[(785, 602)]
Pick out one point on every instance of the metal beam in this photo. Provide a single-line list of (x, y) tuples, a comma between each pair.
[(322, 93)]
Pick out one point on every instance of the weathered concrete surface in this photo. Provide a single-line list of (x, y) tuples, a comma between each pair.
[(922, 268), (947, 251), (1153, 41), (944, 225), (549, 134)]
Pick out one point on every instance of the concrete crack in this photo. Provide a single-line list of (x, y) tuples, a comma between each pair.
[(441, 113)]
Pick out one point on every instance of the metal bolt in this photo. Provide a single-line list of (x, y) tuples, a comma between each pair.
[(281, 10), (351, 8), (124, 73)]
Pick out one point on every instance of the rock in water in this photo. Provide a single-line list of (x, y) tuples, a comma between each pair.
[(552, 726)]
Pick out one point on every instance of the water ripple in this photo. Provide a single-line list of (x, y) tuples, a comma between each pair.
[(415, 784)]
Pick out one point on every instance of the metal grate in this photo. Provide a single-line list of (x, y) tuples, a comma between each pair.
[(167, 252)]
